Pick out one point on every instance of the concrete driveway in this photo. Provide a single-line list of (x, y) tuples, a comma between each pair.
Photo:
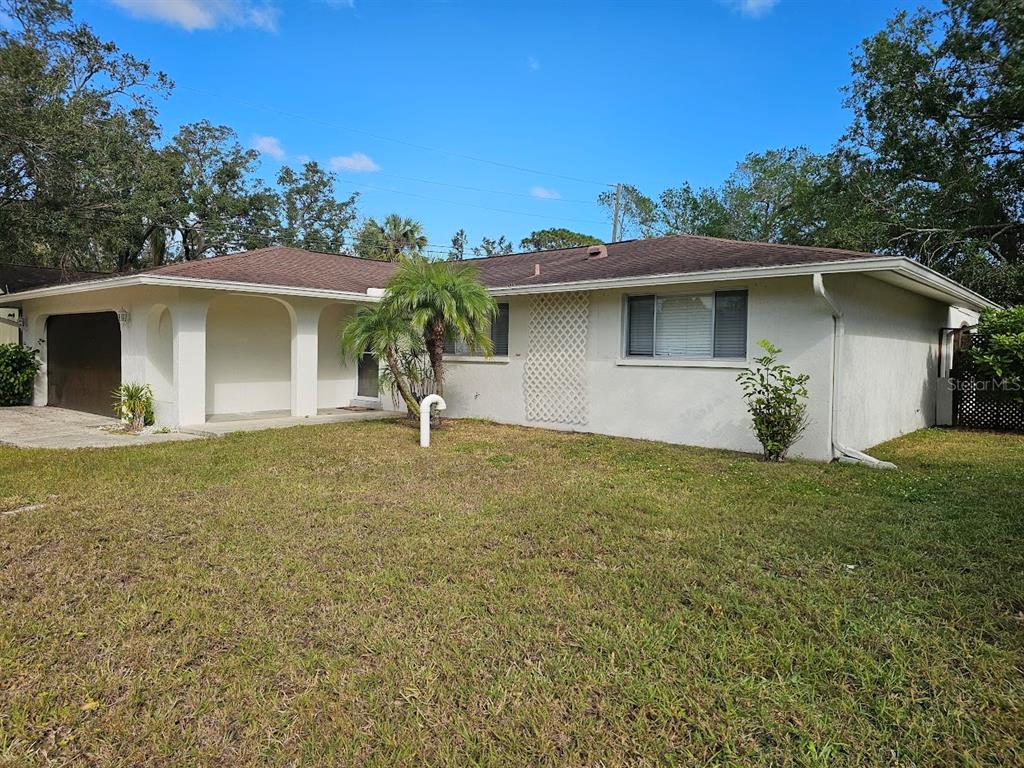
[(31, 427)]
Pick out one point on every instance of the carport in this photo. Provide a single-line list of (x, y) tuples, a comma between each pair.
[(83, 361)]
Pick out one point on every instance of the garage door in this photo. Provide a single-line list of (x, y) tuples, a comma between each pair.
[(83, 361)]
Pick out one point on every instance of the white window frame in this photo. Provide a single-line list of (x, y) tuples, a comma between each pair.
[(654, 358)]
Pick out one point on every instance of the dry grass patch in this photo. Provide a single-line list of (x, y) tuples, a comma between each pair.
[(510, 597)]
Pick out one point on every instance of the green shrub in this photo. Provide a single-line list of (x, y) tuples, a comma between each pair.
[(18, 367), (997, 349), (775, 398), (133, 404)]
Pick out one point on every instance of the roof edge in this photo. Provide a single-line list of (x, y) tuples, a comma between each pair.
[(172, 281), (954, 291), (911, 269)]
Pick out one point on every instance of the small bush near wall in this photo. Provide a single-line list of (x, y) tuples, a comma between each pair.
[(776, 401), (996, 352), (18, 368), (133, 404)]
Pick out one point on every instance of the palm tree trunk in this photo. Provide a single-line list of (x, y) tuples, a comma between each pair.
[(403, 388), (435, 350)]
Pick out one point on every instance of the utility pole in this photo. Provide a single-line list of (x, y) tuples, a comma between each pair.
[(615, 217)]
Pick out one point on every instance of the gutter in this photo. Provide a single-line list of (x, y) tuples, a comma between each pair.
[(172, 281), (839, 451)]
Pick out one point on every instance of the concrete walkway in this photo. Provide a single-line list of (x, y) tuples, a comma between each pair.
[(250, 422), (31, 427)]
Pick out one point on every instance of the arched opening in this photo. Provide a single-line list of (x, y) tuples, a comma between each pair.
[(248, 356), (336, 378), (160, 362)]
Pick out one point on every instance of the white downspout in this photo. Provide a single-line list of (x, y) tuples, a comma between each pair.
[(840, 451)]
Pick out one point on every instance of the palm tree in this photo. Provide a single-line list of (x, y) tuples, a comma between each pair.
[(390, 241), (383, 331), (401, 236), (442, 297)]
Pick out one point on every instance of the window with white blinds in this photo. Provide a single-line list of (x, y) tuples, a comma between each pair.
[(688, 325)]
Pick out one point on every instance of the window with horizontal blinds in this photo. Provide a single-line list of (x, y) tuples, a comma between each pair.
[(687, 325), (731, 324), (641, 325), (499, 330), (682, 326), (499, 336)]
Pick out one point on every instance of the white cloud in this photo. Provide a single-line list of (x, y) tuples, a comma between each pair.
[(204, 14), (268, 145), (545, 193), (754, 9), (533, 63), (357, 162)]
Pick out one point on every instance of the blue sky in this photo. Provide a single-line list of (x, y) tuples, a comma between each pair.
[(578, 94)]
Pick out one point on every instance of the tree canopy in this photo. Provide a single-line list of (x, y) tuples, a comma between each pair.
[(932, 166), (555, 238), (87, 183), (77, 139), (493, 246)]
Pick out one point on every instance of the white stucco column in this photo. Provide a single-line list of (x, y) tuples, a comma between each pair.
[(34, 335), (305, 363), (133, 345), (189, 328)]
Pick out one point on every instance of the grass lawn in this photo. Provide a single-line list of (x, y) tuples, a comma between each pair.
[(511, 597)]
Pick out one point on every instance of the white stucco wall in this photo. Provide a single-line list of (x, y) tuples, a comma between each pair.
[(336, 378), (209, 352), (889, 361), (133, 335), (8, 333), (159, 355), (693, 404), (248, 355), (212, 352)]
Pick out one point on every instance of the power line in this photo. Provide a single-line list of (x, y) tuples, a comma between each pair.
[(475, 189), (380, 137), (196, 225)]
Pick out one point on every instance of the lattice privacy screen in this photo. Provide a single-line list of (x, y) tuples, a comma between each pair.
[(554, 377), (976, 407)]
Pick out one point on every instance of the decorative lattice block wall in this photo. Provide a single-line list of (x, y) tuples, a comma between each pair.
[(554, 377)]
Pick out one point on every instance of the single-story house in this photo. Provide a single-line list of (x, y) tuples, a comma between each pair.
[(642, 338)]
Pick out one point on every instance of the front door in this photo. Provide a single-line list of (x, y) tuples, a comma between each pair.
[(369, 371)]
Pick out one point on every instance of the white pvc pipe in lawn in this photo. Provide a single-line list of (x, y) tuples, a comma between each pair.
[(425, 404)]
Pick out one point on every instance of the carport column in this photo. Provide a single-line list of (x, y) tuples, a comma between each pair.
[(305, 323), (34, 335), (188, 320)]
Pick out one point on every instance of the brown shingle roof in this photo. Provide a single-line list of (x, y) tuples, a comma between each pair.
[(24, 277), (656, 256), (676, 254), (291, 267), (632, 258)]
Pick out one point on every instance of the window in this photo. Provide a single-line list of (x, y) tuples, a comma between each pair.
[(499, 337), (687, 325)]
